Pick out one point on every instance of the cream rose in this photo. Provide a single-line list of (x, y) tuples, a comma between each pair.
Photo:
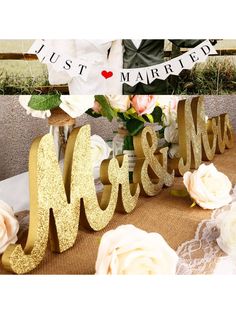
[(208, 187), (9, 226), (75, 106), (119, 102), (226, 222), (169, 105), (99, 151), (130, 250), (24, 101)]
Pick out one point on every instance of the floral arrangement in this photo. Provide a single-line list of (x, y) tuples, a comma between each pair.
[(139, 110), (134, 112)]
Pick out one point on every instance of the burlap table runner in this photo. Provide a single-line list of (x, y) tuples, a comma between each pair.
[(168, 215)]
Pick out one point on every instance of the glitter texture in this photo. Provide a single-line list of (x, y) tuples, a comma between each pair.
[(225, 140), (55, 203), (200, 140), (193, 134), (150, 168)]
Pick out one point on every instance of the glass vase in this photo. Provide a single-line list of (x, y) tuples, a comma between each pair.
[(61, 125), (123, 144)]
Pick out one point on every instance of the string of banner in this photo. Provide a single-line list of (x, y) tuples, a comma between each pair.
[(81, 67)]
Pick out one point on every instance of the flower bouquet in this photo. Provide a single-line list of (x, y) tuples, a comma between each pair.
[(132, 112)]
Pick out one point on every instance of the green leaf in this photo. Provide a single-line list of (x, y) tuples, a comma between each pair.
[(150, 118), (126, 116), (131, 111), (121, 116), (128, 143), (44, 102), (134, 126), (137, 117), (157, 114), (107, 110)]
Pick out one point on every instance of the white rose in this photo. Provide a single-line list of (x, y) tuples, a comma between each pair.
[(99, 151), (169, 105), (9, 226), (226, 222), (208, 187), (75, 106), (24, 101), (171, 133), (119, 102), (130, 250)]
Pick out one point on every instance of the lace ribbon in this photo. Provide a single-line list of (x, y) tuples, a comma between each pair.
[(202, 254)]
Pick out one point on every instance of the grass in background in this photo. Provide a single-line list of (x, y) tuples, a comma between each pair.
[(217, 76), (16, 84), (22, 77)]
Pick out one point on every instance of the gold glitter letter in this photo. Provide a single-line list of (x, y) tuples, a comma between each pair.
[(149, 165), (225, 133), (193, 134), (55, 205)]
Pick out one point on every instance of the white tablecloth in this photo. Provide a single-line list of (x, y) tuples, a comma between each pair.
[(15, 191)]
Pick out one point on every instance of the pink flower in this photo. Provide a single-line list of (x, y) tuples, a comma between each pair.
[(144, 104)]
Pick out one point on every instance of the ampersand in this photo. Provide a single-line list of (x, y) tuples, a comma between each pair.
[(151, 167)]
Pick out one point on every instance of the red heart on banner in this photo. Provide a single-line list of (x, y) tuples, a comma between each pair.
[(106, 74)]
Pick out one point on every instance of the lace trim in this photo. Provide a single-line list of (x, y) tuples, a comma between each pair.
[(201, 254)]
